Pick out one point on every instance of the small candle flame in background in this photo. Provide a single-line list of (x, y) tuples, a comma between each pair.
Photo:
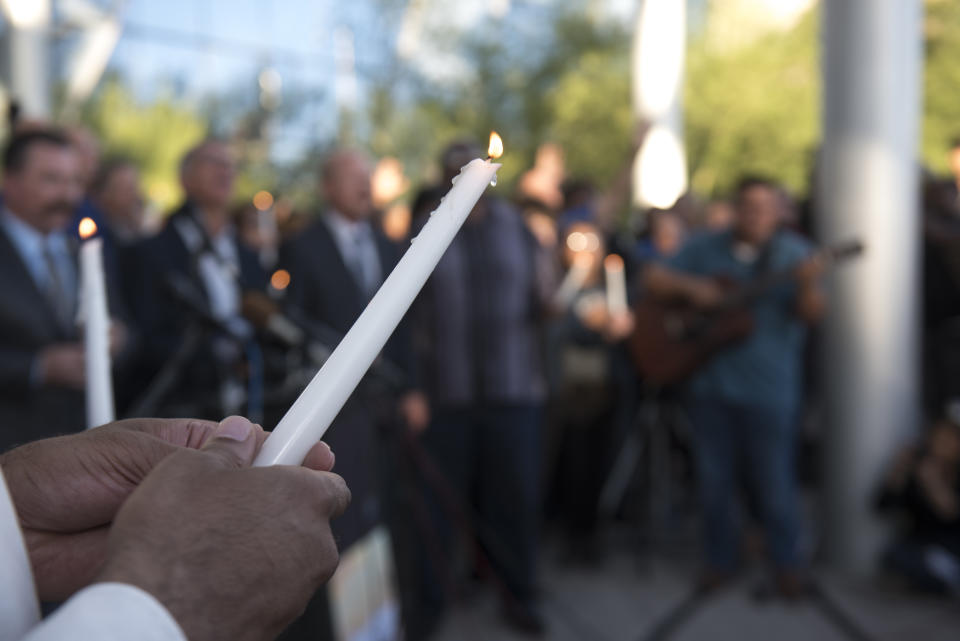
[(263, 200), (87, 228), (495, 150), (579, 241), (613, 262), (280, 279)]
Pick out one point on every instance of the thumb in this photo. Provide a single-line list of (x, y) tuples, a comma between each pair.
[(234, 442)]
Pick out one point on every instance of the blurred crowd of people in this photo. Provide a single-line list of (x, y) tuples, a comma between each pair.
[(510, 387)]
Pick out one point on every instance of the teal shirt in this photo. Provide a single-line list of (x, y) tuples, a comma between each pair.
[(765, 369)]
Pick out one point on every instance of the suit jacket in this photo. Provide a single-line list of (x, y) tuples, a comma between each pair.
[(324, 290), (162, 320), (27, 325)]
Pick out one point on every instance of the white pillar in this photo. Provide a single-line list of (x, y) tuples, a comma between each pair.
[(659, 45), (868, 189), (27, 45)]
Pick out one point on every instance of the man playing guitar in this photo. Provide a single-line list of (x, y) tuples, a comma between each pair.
[(743, 401)]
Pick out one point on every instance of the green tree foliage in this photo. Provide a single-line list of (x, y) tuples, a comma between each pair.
[(572, 88), (154, 135), (941, 122), (757, 108), (591, 116), (753, 109)]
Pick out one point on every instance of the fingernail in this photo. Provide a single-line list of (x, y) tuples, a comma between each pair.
[(235, 428)]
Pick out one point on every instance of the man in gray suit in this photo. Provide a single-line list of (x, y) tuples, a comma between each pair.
[(41, 358)]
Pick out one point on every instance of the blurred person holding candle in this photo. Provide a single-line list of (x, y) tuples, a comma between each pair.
[(189, 277), (41, 355), (584, 342), (119, 522), (744, 403), (478, 337)]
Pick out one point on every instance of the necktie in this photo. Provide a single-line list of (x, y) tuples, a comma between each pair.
[(56, 293), (360, 263)]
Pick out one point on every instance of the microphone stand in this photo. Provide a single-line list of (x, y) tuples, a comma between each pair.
[(168, 376)]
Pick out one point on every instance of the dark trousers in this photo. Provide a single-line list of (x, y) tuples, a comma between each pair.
[(585, 435), (752, 447), (490, 456)]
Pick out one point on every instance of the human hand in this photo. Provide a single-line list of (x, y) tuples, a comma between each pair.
[(620, 326), (810, 270), (705, 293), (592, 312), (232, 552), (119, 335), (415, 411), (63, 365), (66, 490)]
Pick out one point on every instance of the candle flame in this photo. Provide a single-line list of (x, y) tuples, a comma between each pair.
[(263, 200), (495, 150), (87, 228), (613, 263), (280, 279), (577, 241)]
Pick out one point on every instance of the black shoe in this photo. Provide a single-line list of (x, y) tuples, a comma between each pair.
[(525, 619)]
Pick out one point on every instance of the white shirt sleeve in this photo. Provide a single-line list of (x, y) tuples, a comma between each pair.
[(19, 610), (109, 612)]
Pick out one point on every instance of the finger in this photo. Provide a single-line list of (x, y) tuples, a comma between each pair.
[(234, 443), (183, 432), (261, 435), (320, 458), (335, 493)]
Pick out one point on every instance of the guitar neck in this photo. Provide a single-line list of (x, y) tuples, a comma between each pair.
[(764, 284)]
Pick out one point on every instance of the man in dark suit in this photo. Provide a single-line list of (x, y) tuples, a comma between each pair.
[(336, 266), (188, 280), (41, 358)]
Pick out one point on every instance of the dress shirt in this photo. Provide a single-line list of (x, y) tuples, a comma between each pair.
[(109, 612), (358, 248), (19, 610), (31, 244), (218, 266)]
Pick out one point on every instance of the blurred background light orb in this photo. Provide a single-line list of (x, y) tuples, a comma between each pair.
[(661, 169)]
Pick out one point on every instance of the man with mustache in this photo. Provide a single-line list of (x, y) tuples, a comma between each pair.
[(41, 358)]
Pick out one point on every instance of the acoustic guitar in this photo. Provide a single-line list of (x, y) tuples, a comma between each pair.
[(672, 340)]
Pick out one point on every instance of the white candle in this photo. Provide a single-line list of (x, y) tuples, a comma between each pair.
[(574, 280), (616, 285), (307, 420), (96, 327)]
